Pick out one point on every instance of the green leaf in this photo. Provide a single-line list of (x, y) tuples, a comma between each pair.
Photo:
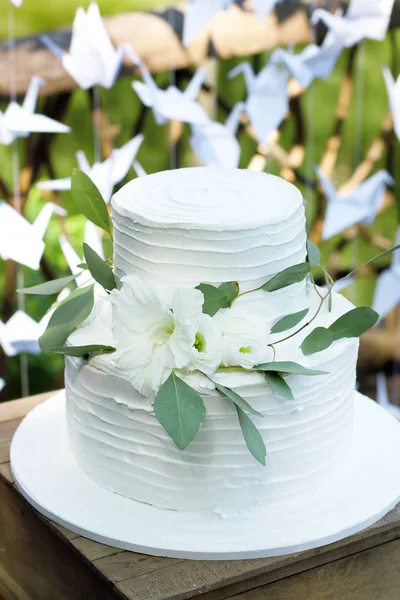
[(67, 316), (252, 436), (180, 410), (278, 385), (214, 298), (89, 200), (287, 277), (288, 367), (82, 265), (289, 321), (329, 286), (354, 323), (83, 351), (236, 399), (319, 339), (231, 288), (50, 287), (313, 254), (99, 269)]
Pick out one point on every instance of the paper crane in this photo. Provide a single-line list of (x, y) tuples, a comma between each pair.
[(267, 101), (359, 206), (93, 236), (387, 287), (393, 90), (92, 59), (20, 120), (172, 104), (382, 396), (21, 334), (199, 13), (216, 144), (363, 19), (2, 383), (22, 241), (262, 8), (16, 3), (314, 62), (106, 174)]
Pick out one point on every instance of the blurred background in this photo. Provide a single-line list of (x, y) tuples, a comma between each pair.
[(343, 123)]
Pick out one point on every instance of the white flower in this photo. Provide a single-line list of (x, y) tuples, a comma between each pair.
[(245, 337), (154, 330), (207, 347)]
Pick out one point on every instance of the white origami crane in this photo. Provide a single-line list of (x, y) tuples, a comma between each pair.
[(21, 334), (262, 8), (267, 101), (16, 3), (2, 383), (198, 15), (314, 62), (172, 104), (106, 174), (92, 59), (216, 144), (382, 396), (20, 120), (393, 90), (359, 206), (387, 287), (22, 241), (93, 236), (363, 19)]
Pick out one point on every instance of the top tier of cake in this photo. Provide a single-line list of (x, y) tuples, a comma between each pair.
[(210, 225)]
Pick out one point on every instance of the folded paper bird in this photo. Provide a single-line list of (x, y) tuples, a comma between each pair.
[(215, 144), (314, 62), (20, 120), (92, 59), (172, 104), (22, 241), (105, 174), (199, 13), (387, 287), (2, 383), (393, 90), (16, 3), (382, 396), (262, 8), (21, 334), (267, 101), (93, 237), (359, 206), (363, 19)]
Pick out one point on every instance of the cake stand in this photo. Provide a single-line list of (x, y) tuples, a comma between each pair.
[(367, 488)]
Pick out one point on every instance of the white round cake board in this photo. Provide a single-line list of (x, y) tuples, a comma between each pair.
[(48, 476)]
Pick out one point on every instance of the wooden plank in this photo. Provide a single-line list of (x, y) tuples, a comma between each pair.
[(10, 589), (5, 472), (17, 409), (8, 428), (93, 550), (126, 565), (370, 575)]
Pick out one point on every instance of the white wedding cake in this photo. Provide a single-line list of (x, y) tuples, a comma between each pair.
[(173, 231)]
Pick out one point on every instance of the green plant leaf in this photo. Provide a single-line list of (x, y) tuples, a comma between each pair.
[(50, 287), (289, 321), (319, 339), (288, 368), (236, 399), (278, 385), (329, 286), (231, 288), (214, 298), (354, 323), (99, 269), (68, 315), (89, 200), (313, 254), (180, 410), (82, 265), (83, 351), (287, 277), (252, 436)]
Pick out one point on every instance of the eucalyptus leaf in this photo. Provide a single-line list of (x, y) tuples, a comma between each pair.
[(289, 321), (68, 315), (313, 254), (252, 436), (288, 276), (99, 269), (83, 351), (214, 298), (288, 367), (89, 200), (50, 287), (319, 339), (180, 410), (278, 385), (236, 399), (354, 323), (231, 288)]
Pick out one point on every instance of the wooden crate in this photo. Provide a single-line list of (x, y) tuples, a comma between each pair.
[(40, 560)]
